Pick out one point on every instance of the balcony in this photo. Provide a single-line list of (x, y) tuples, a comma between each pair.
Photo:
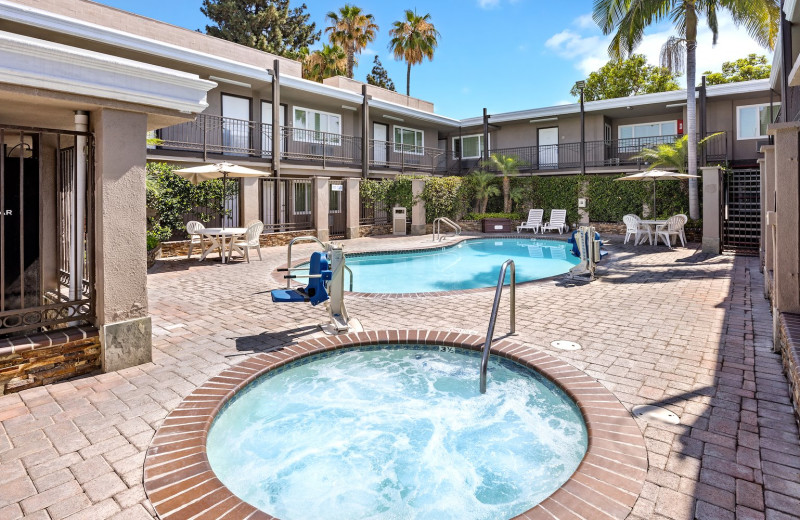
[(222, 137), (604, 154)]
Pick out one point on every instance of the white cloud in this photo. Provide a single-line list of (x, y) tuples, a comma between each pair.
[(585, 21), (366, 51), (488, 4), (587, 48)]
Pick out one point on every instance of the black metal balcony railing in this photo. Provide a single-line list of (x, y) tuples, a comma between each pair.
[(330, 149), (614, 152), (226, 136), (405, 157)]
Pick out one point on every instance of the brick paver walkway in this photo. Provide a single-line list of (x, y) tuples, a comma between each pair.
[(672, 328)]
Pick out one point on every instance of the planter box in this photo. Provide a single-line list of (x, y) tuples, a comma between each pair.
[(496, 225), (152, 255)]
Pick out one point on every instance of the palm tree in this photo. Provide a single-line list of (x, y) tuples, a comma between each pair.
[(673, 155), (483, 183), (352, 30), (413, 40), (629, 19), (507, 166), (328, 62)]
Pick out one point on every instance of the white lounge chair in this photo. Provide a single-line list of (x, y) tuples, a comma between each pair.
[(634, 226), (673, 227), (251, 239), (558, 221), (193, 228), (534, 221)]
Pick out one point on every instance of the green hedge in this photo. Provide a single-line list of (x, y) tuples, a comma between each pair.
[(442, 196), (548, 193), (609, 200)]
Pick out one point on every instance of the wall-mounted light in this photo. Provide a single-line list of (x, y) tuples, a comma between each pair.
[(676, 105), (543, 120), (393, 118), (348, 107)]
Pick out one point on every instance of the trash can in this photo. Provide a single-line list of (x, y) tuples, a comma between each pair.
[(399, 220)]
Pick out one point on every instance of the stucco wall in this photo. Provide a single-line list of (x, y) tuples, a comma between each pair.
[(379, 93), (120, 248)]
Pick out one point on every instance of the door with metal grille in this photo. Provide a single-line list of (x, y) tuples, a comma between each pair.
[(337, 226), (741, 211)]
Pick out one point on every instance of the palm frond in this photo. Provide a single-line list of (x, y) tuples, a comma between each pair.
[(673, 54)]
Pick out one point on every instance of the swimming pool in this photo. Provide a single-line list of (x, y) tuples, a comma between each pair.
[(470, 264), (397, 432)]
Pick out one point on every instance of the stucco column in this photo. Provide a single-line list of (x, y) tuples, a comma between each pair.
[(712, 242), (120, 249), (249, 199), (418, 210), (787, 243), (322, 203), (353, 208)]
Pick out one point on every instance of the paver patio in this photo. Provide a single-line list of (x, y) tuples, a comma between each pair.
[(672, 328)]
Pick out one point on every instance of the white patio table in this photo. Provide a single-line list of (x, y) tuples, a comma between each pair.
[(652, 225), (218, 238)]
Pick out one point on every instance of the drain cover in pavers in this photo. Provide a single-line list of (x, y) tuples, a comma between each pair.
[(565, 345), (655, 414)]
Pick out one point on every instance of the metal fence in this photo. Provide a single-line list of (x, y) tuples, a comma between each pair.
[(46, 229), (296, 205), (373, 213), (404, 157), (321, 147), (218, 135)]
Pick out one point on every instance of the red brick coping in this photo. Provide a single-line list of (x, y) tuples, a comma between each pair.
[(180, 483), (278, 276)]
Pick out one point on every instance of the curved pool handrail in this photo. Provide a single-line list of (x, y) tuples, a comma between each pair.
[(497, 293), (306, 238), (437, 227)]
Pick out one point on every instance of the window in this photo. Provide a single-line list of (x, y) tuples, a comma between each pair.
[(752, 120), (658, 129), (312, 126), (335, 201), (408, 140), (302, 198), (472, 147)]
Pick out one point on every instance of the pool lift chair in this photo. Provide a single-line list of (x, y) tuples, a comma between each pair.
[(325, 285), (587, 246)]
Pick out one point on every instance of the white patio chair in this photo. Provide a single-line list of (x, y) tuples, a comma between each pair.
[(251, 239), (634, 226), (534, 221), (683, 233), (557, 222), (193, 228), (671, 228)]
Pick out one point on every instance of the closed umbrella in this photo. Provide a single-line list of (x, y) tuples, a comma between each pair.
[(656, 175), (198, 174)]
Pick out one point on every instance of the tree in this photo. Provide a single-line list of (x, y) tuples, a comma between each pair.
[(413, 40), (330, 61), (267, 25), (507, 166), (743, 69), (629, 77), (483, 186), (352, 30), (628, 19), (379, 77), (672, 155)]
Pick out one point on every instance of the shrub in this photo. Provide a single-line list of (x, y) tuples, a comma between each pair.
[(480, 216), (548, 193), (445, 197)]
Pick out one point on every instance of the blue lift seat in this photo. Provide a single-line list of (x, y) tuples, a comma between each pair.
[(314, 292), (576, 252)]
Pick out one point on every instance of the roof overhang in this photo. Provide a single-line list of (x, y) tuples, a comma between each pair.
[(40, 64), (413, 113), (660, 98), (46, 20)]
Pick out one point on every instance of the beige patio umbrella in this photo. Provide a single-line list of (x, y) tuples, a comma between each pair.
[(656, 175), (207, 172)]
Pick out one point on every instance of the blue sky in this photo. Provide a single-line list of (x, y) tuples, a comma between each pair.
[(501, 54)]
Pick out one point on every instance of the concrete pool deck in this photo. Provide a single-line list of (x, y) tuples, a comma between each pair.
[(673, 328)]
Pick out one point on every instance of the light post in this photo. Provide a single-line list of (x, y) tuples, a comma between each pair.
[(581, 85)]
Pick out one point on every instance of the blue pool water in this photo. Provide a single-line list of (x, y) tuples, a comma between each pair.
[(468, 265), (397, 433)]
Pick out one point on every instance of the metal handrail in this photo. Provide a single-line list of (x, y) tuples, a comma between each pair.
[(289, 260), (437, 224), (306, 238), (497, 293)]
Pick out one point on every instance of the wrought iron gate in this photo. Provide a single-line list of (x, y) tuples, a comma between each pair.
[(337, 211), (741, 211)]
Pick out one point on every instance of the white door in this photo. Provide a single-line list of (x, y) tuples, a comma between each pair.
[(266, 119), (548, 148), (380, 134), (235, 125)]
